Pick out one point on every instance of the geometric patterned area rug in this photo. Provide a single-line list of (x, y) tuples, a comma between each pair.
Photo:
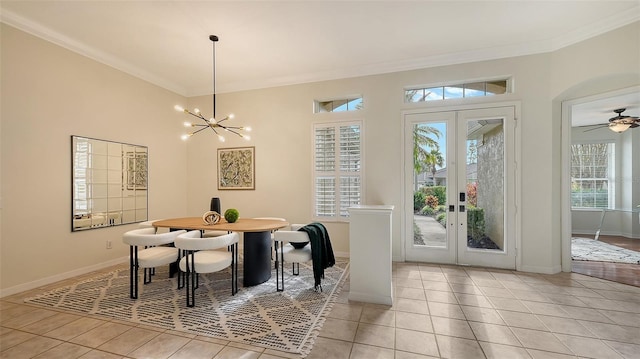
[(585, 249), (287, 321)]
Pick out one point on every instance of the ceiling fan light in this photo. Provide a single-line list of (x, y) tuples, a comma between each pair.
[(619, 126)]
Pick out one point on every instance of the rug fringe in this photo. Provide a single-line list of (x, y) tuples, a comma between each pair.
[(309, 342)]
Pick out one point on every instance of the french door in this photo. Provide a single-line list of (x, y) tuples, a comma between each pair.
[(460, 187)]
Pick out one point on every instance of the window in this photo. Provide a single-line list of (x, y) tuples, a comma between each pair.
[(337, 168), (472, 89), (592, 170), (339, 105)]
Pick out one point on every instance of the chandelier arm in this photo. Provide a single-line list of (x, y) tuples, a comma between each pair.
[(198, 115), (202, 129), (230, 129)]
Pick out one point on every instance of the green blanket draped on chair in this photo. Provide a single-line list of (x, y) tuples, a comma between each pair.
[(321, 250)]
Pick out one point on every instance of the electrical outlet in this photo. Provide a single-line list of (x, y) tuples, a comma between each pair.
[(108, 244)]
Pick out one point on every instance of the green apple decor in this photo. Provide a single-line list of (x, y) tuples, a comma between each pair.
[(231, 215)]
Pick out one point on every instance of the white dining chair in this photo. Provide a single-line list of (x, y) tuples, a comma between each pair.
[(154, 252), (203, 255), (291, 247)]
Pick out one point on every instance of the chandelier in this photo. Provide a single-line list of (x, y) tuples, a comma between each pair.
[(217, 126)]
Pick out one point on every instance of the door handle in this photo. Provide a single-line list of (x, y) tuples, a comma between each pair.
[(452, 208), (462, 208)]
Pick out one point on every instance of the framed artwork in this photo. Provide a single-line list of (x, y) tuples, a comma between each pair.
[(236, 168)]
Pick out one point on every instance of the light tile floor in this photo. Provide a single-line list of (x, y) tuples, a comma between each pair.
[(439, 312)]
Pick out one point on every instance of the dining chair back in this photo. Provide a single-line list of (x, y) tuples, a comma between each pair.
[(148, 249), (203, 255)]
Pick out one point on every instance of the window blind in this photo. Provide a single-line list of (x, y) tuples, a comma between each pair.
[(338, 169)]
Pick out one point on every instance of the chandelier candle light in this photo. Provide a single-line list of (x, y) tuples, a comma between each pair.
[(212, 123)]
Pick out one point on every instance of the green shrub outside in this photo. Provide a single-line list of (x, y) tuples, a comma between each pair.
[(418, 200), (440, 192), (475, 222), (427, 211), (442, 219)]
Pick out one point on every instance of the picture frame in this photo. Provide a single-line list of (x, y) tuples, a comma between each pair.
[(236, 168)]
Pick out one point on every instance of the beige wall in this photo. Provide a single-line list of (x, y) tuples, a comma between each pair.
[(49, 93)]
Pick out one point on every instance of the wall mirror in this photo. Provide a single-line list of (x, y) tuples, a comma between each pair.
[(109, 183)]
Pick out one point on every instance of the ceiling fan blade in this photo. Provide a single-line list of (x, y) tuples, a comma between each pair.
[(594, 128)]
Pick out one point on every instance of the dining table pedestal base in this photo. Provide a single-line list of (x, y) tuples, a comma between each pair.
[(256, 262)]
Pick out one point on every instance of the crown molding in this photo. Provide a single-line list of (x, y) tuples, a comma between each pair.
[(477, 55), (597, 28), (35, 29)]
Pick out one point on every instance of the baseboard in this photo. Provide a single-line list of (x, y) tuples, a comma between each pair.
[(541, 270), (591, 234), (58, 277), (368, 298), (341, 254)]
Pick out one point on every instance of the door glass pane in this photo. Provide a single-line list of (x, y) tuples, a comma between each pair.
[(430, 184), (485, 184)]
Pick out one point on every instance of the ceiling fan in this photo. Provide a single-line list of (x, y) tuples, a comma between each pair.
[(619, 123)]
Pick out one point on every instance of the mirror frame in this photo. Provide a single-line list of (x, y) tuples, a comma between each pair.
[(109, 183)]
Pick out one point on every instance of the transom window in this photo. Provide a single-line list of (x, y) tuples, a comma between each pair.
[(338, 105), (446, 92), (592, 169), (337, 169)]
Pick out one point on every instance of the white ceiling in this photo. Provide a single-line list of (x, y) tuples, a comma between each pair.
[(273, 43)]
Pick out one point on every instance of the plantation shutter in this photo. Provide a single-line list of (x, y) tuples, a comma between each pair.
[(338, 175)]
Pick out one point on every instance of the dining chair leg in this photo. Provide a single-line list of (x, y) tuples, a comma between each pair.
[(194, 279), (147, 276), (234, 269), (280, 269), (133, 272), (181, 275), (190, 279)]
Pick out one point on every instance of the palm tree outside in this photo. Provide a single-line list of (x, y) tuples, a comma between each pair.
[(423, 141), (433, 159)]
